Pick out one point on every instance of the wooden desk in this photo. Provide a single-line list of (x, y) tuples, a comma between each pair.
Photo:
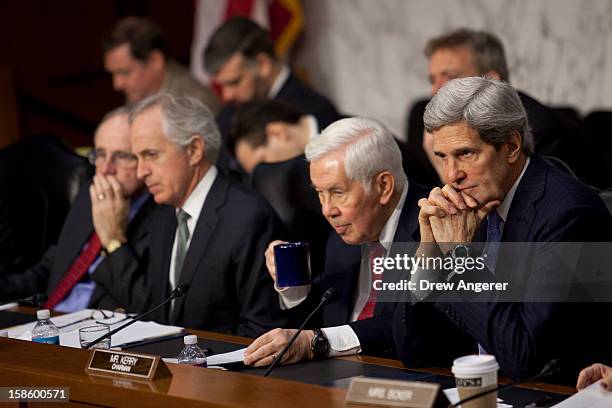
[(28, 364), (40, 365)]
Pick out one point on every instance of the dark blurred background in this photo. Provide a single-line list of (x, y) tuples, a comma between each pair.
[(52, 78)]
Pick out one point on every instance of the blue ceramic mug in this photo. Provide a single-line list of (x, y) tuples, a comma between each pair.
[(292, 264)]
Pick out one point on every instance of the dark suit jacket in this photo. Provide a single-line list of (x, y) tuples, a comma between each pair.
[(548, 206), (342, 264), (231, 292), (46, 274)]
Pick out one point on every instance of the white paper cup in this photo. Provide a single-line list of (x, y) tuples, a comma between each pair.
[(474, 374)]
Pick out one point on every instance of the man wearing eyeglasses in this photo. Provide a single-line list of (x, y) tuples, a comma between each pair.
[(104, 216)]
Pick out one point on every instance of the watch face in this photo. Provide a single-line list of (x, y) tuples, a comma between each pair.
[(320, 345), (460, 251)]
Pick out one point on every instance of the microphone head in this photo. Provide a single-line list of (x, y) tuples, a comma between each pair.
[(182, 289), (551, 368), (329, 293)]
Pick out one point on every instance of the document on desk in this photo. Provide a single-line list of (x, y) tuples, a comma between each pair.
[(69, 335), (593, 396)]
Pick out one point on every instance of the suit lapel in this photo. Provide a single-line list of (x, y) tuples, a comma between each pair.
[(80, 233), (203, 232), (408, 227), (343, 275), (523, 209), (162, 239), (287, 89)]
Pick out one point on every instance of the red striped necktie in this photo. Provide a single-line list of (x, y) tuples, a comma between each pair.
[(75, 273), (376, 251)]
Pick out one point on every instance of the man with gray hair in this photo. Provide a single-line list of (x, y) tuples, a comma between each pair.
[(356, 169), (498, 191), (211, 234), (465, 53)]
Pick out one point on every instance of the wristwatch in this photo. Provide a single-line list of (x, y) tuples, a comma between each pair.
[(460, 251), (320, 344), (112, 246)]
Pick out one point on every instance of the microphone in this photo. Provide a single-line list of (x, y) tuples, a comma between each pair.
[(176, 293), (551, 368), (36, 300), (329, 293)]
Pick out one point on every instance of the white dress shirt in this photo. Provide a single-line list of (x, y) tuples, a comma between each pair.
[(313, 127), (342, 339), (193, 206), (279, 81)]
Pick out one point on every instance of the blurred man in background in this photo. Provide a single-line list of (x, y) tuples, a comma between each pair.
[(241, 58), (136, 55)]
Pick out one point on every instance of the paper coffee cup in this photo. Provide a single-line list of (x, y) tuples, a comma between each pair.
[(475, 374)]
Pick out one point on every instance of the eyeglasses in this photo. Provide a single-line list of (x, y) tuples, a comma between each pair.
[(95, 315), (118, 158)]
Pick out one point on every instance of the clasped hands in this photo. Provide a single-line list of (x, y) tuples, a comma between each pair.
[(450, 217)]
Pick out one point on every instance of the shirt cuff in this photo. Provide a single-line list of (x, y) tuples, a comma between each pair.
[(290, 297), (342, 340)]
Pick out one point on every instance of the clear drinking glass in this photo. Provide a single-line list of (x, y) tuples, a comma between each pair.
[(90, 333)]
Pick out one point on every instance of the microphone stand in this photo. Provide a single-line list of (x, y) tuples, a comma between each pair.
[(326, 296)]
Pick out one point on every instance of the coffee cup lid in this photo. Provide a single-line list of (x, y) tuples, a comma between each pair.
[(475, 364)]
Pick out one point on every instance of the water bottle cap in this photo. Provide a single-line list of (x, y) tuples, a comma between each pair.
[(191, 339), (43, 314), (3, 333)]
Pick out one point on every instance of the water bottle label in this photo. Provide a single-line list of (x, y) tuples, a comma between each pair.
[(47, 340)]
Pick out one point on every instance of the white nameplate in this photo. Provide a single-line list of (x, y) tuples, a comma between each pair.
[(391, 393)]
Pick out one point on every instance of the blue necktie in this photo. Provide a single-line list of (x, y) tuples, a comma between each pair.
[(493, 239), (491, 248)]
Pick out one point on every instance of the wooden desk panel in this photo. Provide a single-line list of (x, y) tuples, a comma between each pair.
[(39, 365), (24, 363)]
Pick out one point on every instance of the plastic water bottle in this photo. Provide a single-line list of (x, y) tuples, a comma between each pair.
[(45, 331), (191, 353)]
